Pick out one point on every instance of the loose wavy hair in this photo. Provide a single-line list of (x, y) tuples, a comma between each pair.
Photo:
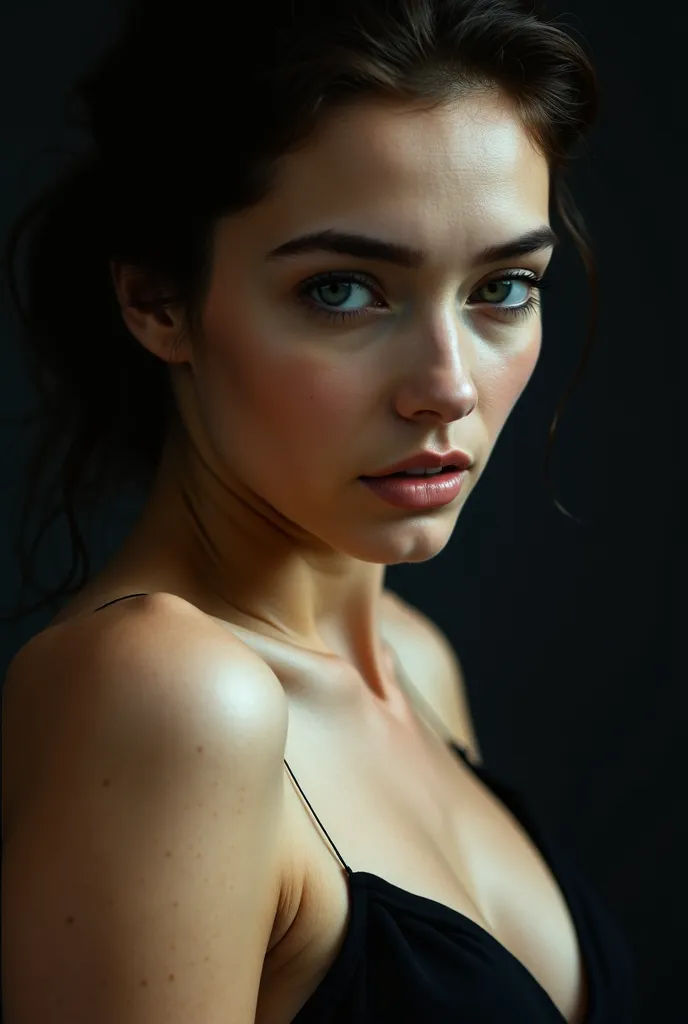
[(188, 114)]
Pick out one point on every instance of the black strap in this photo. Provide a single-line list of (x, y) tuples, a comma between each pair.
[(346, 866), (125, 598)]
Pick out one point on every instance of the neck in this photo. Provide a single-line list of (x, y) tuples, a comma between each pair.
[(238, 562)]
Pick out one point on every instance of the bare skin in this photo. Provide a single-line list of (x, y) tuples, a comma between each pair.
[(258, 518)]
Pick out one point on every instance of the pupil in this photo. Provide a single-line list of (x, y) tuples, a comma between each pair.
[(339, 286)]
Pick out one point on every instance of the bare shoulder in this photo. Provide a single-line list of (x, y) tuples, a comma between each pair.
[(156, 661), (156, 632), (434, 667), (146, 810)]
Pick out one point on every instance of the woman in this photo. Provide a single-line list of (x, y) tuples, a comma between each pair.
[(305, 255)]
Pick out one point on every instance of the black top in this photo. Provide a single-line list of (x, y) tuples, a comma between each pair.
[(408, 958)]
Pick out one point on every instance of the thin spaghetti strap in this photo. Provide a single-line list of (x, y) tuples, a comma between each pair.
[(125, 598), (345, 865)]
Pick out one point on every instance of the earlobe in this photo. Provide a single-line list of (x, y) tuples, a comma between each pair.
[(153, 324), (158, 331)]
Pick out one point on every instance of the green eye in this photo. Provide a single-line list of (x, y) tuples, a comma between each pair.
[(345, 280)]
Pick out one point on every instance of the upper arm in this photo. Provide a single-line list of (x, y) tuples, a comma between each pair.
[(141, 875)]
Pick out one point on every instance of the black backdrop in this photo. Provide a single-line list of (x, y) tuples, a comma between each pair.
[(570, 637)]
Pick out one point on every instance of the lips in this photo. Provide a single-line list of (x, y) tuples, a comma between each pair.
[(409, 475), (457, 459)]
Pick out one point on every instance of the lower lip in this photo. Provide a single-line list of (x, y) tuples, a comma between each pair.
[(417, 492)]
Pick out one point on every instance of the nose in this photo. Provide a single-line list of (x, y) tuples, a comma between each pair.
[(439, 385)]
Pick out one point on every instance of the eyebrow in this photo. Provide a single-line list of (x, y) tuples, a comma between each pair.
[(364, 247)]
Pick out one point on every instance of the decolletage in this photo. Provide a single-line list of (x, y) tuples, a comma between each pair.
[(405, 957)]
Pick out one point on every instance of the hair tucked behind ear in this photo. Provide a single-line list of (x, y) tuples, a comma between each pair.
[(189, 114)]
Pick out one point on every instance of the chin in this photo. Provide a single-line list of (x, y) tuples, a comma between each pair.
[(412, 539)]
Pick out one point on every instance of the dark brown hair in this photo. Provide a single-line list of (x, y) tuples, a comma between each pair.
[(189, 113)]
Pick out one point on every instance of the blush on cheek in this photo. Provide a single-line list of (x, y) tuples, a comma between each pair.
[(324, 407), (318, 396)]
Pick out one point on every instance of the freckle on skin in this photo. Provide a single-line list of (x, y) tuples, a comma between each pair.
[(171, 977), (199, 749), (106, 782), (70, 920), (144, 983)]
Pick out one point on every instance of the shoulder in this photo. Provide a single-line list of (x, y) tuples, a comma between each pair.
[(434, 667), (138, 672), (155, 767), (158, 641), (152, 633)]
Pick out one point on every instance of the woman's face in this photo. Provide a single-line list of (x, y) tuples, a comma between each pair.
[(297, 389)]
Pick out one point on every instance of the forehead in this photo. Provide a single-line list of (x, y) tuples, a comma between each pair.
[(465, 173)]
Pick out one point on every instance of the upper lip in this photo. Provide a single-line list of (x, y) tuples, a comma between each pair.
[(429, 460)]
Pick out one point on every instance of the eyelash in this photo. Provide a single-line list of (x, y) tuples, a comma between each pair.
[(320, 280)]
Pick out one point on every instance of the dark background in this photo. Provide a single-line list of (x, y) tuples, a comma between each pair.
[(570, 637)]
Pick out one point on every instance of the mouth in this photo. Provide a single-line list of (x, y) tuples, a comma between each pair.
[(426, 463), (445, 471), (418, 491)]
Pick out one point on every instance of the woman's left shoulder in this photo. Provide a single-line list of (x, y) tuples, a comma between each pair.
[(434, 666)]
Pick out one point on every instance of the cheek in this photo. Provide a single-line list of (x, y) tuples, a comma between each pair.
[(309, 408), (281, 403), (319, 392), (504, 382)]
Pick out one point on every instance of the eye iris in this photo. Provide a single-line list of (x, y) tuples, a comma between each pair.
[(497, 285), (334, 286)]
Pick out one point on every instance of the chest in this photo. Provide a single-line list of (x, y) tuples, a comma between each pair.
[(404, 807)]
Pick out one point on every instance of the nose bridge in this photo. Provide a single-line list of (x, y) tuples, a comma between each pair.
[(449, 341), (446, 350), (440, 370)]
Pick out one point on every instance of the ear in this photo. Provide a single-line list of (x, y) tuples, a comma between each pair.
[(158, 328)]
